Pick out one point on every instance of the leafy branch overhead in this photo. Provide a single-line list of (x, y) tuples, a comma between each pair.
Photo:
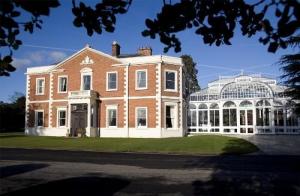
[(214, 20)]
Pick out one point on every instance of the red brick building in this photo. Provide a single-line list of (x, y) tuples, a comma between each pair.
[(105, 95)]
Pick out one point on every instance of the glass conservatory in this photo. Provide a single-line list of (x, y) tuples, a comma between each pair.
[(243, 104)]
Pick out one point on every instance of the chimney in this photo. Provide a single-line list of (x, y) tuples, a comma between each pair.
[(145, 51), (115, 50)]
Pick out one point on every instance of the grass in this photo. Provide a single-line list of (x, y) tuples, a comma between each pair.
[(205, 144)]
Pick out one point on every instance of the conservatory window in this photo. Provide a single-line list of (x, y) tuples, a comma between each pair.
[(263, 113), (202, 115), (192, 117), (214, 115), (229, 114)]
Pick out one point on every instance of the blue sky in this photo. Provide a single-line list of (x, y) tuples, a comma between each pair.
[(58, 39)]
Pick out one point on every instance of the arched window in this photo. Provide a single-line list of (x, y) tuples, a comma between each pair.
[(192, 115), (202, 115), (214, 117), (229, 114), (246, 90), (245, 104), (263, 113)]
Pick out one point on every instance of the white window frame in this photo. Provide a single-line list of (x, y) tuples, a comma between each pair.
[(58, 84), (35, 118), (107, 80), (136, 79), (37, 86), (86, 72), (175, 116), (58, 117), (136, 117), (165, 80), (109, 107)]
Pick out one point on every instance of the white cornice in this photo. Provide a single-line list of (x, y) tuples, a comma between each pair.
[(152, 59)]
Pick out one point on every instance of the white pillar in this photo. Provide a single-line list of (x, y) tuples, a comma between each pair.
[(254, 120), (88, 128), (221, 118)]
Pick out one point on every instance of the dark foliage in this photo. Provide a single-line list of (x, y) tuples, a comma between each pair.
[(12, 115), (215, 21), (190, 75), (291, 68)]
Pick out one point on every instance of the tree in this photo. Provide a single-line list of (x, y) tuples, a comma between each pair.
[(12, 114), (190, 75), (214, 20), (291, 67)]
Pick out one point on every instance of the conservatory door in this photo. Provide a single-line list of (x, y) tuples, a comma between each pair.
[(246, 121)]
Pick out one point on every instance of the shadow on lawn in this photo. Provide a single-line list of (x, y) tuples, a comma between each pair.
[(239, 146)]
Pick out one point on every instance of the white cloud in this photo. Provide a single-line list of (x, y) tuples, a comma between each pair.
[(39, 58), (18, 63), (57, 56)]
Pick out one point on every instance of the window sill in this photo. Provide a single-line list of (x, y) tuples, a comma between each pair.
[(170, 90), (140, 89), (40, 94), (63, 92), (111, 90)]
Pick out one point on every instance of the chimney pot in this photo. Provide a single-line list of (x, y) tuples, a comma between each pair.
[(115, 49), (145, 51)]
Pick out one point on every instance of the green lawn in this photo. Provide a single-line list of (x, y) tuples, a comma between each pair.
[(206, 144)]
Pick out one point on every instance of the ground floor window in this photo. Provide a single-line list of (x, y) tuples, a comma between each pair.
[(263, 116), (39, 118), (112, 116), (61, 116), (170, 116), (141, 117), (214, 118), (278, 118), (229, 117)]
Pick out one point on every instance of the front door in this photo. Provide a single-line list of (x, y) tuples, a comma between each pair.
[(78, 118), (246, 121)]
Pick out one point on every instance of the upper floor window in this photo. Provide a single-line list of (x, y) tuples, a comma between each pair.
[(141, 79), (141, 117), (39, 118), (111, 79), (170, 80), (62, 84), (86, 79), (40, 86)]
